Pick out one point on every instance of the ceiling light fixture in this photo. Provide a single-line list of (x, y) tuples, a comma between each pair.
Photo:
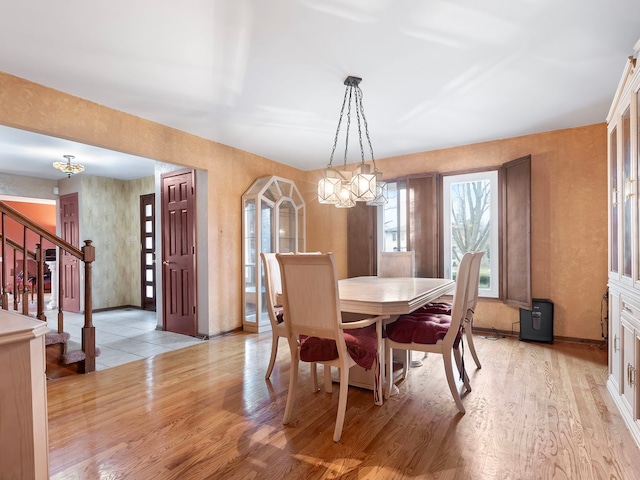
[(343, 188), (68, 168)]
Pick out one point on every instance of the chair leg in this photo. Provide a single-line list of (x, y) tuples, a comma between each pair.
[(378, 366), (448, 368), (274, 352), (293, 381), (468, 332), (314, 377), (328, 382), (407, 364), (461, 371), (342, 403), (389, 376)]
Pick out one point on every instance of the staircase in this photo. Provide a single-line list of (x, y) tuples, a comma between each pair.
[(60, 361)]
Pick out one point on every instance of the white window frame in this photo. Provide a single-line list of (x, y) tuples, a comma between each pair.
[(493, 257)]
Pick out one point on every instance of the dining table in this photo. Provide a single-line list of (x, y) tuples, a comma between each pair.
[(393, 296), (389, 296)]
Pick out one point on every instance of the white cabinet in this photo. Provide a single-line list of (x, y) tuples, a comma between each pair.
[(273, 220), (624, 247), (615, 342), (628, 387)]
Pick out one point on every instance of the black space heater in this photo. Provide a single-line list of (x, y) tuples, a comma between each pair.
[(537, 324)]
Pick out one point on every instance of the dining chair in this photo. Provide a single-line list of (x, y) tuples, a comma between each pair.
[(316, 331), (472, 301), (397, 264), (435, 333), (273, 286)]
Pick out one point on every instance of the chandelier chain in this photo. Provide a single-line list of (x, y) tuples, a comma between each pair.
[(346, 141), (366, 131), (335, 140), (358, 114)]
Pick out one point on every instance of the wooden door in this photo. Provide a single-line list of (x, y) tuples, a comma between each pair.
[(148, 251), (361, 241), (70, 265), (178, 253)]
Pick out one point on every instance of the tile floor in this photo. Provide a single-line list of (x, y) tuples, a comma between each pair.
[(123, 336)]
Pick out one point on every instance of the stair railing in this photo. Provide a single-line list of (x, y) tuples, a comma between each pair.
[(86, 255)]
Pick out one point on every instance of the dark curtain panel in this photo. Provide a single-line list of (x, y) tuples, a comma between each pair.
[(362, 251), (424, 223), (515, 182)]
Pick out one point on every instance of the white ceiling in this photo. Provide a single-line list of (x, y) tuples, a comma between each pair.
[(266, 76)]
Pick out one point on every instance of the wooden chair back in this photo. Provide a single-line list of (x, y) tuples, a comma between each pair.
[(272, 284), (397, 264), (474, 282), (311, 300), (459, 308)]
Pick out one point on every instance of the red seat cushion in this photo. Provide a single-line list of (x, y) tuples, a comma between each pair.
[(361, 345), (420, 327), (442, 308)]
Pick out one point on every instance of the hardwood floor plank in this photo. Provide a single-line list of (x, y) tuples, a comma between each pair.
[(206, 412)]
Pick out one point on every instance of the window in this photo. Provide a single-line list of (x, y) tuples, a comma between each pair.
[(415, 219), (470, 223), (394, 216)]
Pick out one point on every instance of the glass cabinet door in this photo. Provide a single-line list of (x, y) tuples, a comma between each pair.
[(279, 227), (613, 179), (249, 256), (635, 128), (287, 227), (627, 175)]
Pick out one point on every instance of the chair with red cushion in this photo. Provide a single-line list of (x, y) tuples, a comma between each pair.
[(273, 287), (435, 333), (472, 301), (316, 331), (397, 264)]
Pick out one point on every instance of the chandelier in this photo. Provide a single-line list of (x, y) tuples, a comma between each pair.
[(343, 188), (68, 168)]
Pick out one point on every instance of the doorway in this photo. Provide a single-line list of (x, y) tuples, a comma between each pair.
[(178, 252), (70, 232)]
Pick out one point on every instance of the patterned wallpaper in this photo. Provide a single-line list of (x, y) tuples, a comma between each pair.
[(110, 217), (33, 187)]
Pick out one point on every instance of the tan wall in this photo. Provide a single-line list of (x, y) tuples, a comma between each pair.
[(39, 109), (568, 220), (569, 212)]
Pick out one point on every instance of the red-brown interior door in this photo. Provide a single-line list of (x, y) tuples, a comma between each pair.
[(70, 231), (178, 253)]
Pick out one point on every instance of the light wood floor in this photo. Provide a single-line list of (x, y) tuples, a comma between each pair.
[(536, 411)]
